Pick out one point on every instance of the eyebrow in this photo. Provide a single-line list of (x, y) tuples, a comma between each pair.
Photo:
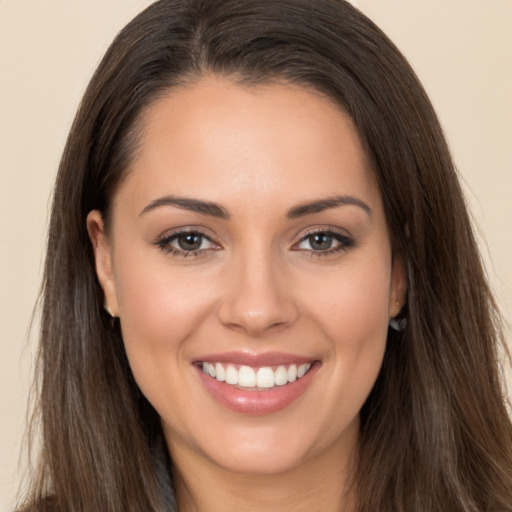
[(194, 205), (215, 210), (324, 204)]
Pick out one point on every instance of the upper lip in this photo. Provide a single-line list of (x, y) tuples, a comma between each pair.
[(255, 359)]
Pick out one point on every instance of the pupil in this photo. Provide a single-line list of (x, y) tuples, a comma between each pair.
[(321, 241), (190, 242)]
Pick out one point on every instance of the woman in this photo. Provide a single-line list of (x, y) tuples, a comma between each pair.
[(262, 291)]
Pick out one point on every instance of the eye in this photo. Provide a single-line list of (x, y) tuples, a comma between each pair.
[(325, 242), (190, 241), (318, 242), (186, 243)]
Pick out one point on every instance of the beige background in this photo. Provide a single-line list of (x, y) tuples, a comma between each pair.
[(461, 49)]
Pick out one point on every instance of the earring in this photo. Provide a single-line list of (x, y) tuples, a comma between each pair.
[(398, 324), (106, 307)]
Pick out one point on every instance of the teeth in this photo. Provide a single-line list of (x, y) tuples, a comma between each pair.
[(220, 374), (292, 373), (246, 377), (301, 370), (263, 378), (281, 376), (231, 375)]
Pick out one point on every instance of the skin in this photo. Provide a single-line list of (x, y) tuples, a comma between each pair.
[(258, 286)]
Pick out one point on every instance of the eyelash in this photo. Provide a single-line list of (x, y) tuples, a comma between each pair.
[(344, 243), (165, 242)]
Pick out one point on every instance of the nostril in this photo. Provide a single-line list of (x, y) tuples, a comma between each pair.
[(256, 322)]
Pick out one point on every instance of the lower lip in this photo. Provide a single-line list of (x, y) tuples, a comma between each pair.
[(257, 401)]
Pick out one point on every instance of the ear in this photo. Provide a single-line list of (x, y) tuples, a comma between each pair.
[(103, 260), (398, 288)]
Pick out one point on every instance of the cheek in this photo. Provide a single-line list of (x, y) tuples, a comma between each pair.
[(353, 303), (352, 311), (159, 310)]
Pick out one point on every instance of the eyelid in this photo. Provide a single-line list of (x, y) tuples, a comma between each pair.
[(163, 242), (345, 239), (183, 230), (323, 229)]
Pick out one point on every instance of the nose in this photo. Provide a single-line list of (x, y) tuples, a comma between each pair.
[(258, 297)]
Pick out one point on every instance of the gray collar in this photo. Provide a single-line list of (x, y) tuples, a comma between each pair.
[(163, 468)]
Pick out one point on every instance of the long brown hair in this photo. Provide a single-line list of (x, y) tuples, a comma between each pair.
[(436, 435)]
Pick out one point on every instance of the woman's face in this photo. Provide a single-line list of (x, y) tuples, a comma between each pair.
[(248, 244)]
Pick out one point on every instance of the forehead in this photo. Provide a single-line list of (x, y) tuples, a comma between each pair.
[(217, 139)]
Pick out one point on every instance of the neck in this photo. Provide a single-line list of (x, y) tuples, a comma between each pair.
[(320, 483)]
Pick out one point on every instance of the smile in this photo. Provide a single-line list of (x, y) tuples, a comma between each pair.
[(256, 384), (262, 378)]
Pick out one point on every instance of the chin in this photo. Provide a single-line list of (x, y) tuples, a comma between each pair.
[(275, 449), (259, 460)]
